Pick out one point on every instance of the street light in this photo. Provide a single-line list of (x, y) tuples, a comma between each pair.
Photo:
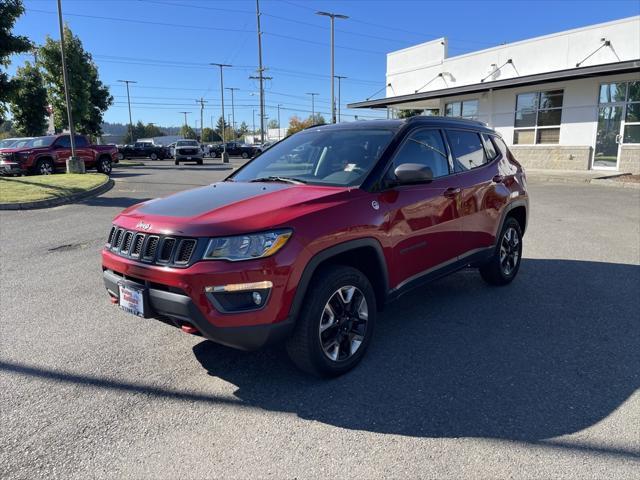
[(74, 164), (339, 77), (225, 155), (313, 106), (233, 109), (333, 17), (127, 82)]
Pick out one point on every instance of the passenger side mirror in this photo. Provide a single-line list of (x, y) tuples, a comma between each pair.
[(411, 173)]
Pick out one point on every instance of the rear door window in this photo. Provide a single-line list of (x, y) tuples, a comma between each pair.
[(467, 149), (81, 141), (64, 141)]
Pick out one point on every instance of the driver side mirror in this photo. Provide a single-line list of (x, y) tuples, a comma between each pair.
[(412, 173)]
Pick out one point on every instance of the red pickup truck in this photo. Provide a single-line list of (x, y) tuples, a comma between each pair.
[(46, 155)]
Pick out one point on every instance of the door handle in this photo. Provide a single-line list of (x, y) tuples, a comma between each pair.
[(498, 178), (452, 192), (618, 139)]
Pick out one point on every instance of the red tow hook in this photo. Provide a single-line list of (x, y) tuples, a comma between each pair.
[(189, 329), (114, 300)]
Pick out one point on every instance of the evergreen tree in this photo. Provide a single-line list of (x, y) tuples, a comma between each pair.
[(29, 102)]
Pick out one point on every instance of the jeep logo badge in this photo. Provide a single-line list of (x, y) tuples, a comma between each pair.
[(375, 205), (143, 226)]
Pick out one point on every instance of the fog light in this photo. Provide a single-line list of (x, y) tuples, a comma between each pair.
[(257, 298)]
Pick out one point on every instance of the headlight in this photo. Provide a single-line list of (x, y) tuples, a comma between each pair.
[(247, 247)]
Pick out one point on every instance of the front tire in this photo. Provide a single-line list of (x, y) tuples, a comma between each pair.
[(153, 156), (176, 162), (200, 162), (104, 166), (504, 265), (336, 323)]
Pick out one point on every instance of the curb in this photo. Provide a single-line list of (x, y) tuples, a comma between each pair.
[(55, 202), (603, 182)]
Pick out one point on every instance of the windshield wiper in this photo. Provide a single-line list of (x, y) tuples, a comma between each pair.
[(295, 181)]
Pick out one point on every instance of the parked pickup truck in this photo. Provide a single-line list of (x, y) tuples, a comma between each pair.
[(143, 149), (46, 155), (236, 149)]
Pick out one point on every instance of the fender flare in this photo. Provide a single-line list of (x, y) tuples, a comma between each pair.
[(505, 212), (328, 253)]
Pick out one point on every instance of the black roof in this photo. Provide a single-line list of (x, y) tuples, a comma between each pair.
[(395, 124)]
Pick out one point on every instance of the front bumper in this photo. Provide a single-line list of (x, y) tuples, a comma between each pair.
[(10, 168), (187, 156), (178, 295)]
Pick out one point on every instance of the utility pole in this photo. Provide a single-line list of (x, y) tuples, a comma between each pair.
[(339, 77), (261, 78), (233, 109), (254, 123), (201, 102), (313, 106), (260, 72), (279, 126), (74, 164), (225, 155), (127, 82), (333, 17), (185, 118)]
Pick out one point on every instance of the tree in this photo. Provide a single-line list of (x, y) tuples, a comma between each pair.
[(210, 135), (90, 98), (29, 102), (151, 131), (10, 11), (409, 113), (243, 129), (296, 124), (273, 123), (187, 132)]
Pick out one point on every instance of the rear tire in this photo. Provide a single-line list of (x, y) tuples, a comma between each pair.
[(331, 334), (153, 156), (44, 167), (504, 264), (176, 162), (245, 155)]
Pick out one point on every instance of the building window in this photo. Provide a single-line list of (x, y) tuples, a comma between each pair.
[(538, 117), (465, 109)]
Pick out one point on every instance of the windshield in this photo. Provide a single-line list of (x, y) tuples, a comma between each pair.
[(40, 141), (324, 157), (187, 143)]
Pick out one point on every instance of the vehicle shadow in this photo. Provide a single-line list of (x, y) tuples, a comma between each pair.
[(119, 202), (551, 354)]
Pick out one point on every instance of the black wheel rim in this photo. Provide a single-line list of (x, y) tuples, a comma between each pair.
[(343, 323), (509, 251)]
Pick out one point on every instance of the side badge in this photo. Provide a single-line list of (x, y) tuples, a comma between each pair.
[(375, 205)]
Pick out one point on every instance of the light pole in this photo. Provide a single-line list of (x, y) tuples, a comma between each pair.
[(233, 109), (225, 155), (74, 164), (313, 106), (279, 126), (254, 125), (339, 77), (333, 17), (127, 82)]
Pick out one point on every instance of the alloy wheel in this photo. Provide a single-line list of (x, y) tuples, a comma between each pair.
[(343, 323), (509, 251), (46, 168), (106, 166)]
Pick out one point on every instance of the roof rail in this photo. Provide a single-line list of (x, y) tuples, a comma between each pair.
[(449, 119)]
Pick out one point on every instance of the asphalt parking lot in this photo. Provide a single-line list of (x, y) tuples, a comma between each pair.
[(535, 380)]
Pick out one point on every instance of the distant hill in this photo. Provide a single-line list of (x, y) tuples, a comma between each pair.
[(120, 129)]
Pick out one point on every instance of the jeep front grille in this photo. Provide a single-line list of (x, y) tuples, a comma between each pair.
[(153, 249)]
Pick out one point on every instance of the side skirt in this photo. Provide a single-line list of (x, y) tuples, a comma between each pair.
[(471, 258)]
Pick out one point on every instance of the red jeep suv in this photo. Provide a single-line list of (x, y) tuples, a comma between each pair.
[(308, 241)]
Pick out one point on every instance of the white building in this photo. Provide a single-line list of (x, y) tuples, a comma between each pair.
[(570, 100)]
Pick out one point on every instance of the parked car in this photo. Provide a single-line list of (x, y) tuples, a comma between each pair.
[(308, 254), (143, 150), (48, 154), (236, 149), (188, 150), (16, 143)]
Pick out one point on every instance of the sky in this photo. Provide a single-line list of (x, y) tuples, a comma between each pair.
[(166, 46)]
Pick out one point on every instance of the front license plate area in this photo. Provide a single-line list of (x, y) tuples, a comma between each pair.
[(132, 299), (188, 158)]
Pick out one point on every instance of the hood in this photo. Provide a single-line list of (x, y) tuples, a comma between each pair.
[(230, 208)]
